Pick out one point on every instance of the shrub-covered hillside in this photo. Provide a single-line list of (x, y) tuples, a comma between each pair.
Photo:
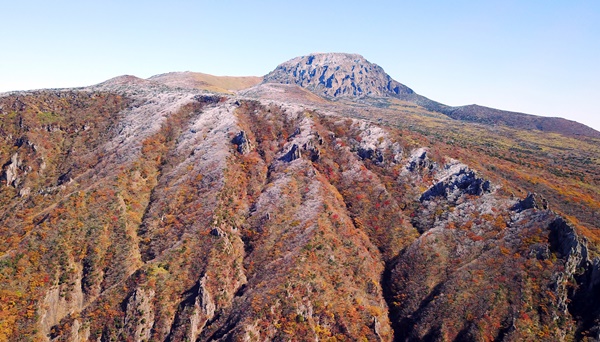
[(133, 211)]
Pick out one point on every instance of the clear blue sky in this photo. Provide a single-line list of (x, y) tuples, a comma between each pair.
[(539, 57)]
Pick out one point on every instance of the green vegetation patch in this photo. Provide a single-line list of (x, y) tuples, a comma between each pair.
[(47, 118)]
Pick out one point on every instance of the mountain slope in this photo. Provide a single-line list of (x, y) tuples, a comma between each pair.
[(491, 116), (132, 210), (197, 80)]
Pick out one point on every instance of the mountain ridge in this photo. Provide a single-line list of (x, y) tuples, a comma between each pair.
[(351, 76), (134, 210), (198, 80)]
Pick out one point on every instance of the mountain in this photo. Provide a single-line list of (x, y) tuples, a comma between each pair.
[(343, 76), (491, 116), (152, 210), (337, 75)]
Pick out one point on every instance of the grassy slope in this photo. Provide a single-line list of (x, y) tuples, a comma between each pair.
[(198, 80)]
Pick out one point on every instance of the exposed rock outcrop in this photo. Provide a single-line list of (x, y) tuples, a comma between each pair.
[(565, 242), (63, 299), (418, 160), (10, 171), (193, 313), (293, 154), (454, 181), (585, 302), (313, 152), (139, 315), (337, 75), (374, 155), (532, 201), (241, 140), (218, 232), (65, 177)]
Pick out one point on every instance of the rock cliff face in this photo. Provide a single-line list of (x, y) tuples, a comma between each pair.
[(155, 213), (337, 75)]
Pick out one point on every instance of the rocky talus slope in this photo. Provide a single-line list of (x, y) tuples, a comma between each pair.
[(135, 211)]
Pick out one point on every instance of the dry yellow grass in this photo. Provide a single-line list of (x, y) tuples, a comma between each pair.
[(198, 80)]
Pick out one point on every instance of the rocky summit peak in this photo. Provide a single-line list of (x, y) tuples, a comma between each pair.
[(337, 75)]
